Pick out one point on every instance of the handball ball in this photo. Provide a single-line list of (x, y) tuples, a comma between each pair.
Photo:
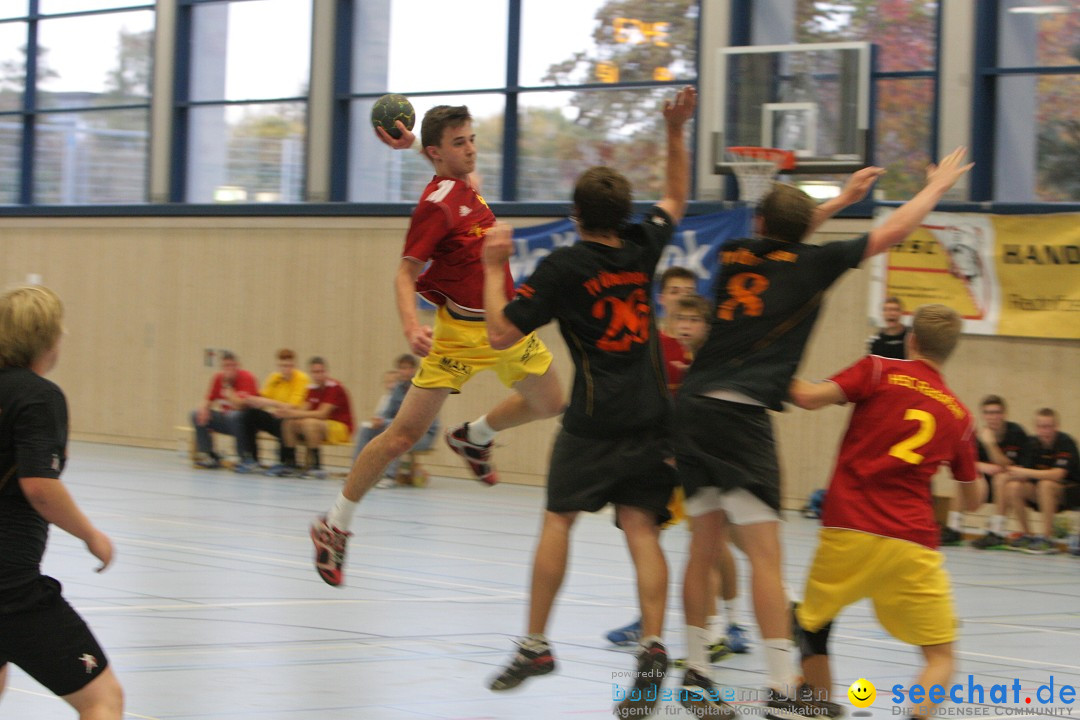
[(389, 109)]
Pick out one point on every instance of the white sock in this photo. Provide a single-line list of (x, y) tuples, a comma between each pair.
[(997, 524), (780, 660), (729, 610), (696, 640), (479, 432), (716, 627), (341, 512), (956, 520), (535, 641), (646, 641)]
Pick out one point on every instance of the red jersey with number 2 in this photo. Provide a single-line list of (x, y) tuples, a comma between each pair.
[(906, 424)]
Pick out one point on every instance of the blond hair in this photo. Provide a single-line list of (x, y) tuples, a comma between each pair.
[(31, 322), (937, 330)]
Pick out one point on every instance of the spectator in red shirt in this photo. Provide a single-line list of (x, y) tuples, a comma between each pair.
[(325, 418), (220, 411)]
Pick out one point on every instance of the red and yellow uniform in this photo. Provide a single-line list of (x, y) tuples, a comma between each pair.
[(339, 425)]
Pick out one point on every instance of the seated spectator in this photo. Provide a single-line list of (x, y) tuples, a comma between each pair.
[(387, 410), (284, 389), (889, 342), (326, 418), (1046, 477), (999, 443), (220, 411)]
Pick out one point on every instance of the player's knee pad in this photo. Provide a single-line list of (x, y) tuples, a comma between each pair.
[(813, 643)]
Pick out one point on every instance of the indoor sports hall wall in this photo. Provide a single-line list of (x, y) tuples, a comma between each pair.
[(146, 296)]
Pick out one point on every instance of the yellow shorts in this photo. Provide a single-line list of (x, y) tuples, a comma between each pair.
[(337, 433), (906, 582), (676, 507), (460, 349)]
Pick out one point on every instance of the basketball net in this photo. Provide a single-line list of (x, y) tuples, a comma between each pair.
[(756, 169)]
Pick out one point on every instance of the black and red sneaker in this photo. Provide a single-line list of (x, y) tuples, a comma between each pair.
[(329, 551), (532, 658), (639, 701), (478, 457)]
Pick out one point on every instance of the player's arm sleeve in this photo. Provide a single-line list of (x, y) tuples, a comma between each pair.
[(659, 229), (429, 225), (963, 464), (534, 302), (838, 257), (858, 381), (40, 430), (245, 382)]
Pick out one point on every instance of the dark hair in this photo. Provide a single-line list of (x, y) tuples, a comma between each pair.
[(993, 400), (438, 119), (893, 300), (227, 355), (286, 354), (406, 359), (676, 272), (786, 213), (317, 360), (602, 198), (1047, 412)]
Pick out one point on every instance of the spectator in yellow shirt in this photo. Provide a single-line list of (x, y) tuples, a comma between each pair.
[(284, 389)]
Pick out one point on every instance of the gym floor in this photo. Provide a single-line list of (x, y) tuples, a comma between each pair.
[(213, 610)]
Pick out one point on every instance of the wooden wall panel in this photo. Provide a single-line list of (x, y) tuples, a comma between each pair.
[(146, 296)]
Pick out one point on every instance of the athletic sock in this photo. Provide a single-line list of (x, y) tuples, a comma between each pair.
[(716, 627), (479, 432), (696, 640), (956, 520), (997, 524), (780, 661), (341, 513)]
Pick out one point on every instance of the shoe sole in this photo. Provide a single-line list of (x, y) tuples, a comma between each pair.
[(511, 688), (329, 580)]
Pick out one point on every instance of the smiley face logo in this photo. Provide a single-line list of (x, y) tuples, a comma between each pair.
[(862, 693)]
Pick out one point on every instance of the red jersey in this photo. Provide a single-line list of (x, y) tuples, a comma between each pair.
[(244, 382), (905, 424), (333, 393), (674, 356), (448, 228)]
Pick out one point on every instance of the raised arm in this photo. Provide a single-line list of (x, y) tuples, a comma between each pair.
[(907, 218), (855, 189), (498, 245), (677, 174)]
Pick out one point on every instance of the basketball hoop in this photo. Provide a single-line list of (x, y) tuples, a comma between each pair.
[(756, 169)]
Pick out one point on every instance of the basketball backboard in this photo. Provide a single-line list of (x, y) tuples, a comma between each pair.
[(811, 99)]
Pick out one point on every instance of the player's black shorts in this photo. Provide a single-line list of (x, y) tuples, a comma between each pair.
[(588, 473), (727, 445), (50, 641)]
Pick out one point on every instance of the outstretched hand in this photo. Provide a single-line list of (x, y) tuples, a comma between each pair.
[(950, 169), (401, 143), (859, 183), (681, 108)]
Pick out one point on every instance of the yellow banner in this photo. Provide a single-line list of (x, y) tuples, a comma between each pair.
[(1006, 274)]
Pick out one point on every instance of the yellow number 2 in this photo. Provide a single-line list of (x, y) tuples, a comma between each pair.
[(905, 449)]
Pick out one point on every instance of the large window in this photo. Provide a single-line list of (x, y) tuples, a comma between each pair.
[(1037, 75), (89, 106), (582, 88), (247, 101)]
